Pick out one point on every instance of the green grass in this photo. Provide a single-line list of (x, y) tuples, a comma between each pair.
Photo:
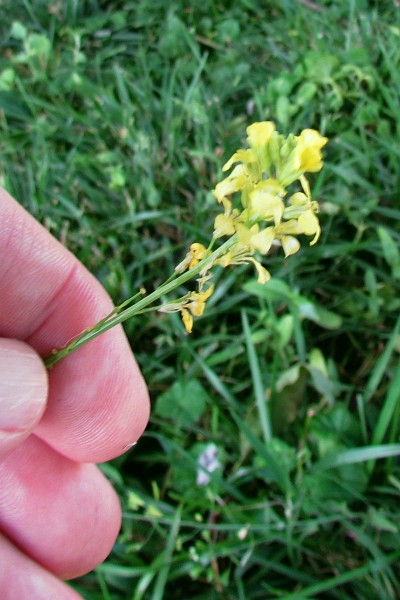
[(115, 121)]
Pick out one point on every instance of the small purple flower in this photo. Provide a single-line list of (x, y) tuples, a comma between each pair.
[(207, 461)]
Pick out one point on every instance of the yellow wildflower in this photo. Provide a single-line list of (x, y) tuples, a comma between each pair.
[(309, 225), (187, 320), (243, 156), (194, 306), (304, 210), (239, 255), (223, 225), (266, 201), (255, 239), (233, 183), (260, 133), (308, 150), (196, 253)]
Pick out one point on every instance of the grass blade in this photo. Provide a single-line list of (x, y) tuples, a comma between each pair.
[(258, 386)]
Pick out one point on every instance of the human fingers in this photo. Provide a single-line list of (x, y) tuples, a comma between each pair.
[(21, 577), (23, 392), (98, 403), (62, 514)]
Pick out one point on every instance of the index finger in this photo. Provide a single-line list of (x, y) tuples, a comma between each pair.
[(98, 403)]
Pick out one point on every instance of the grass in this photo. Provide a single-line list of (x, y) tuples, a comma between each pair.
[(115, 121)]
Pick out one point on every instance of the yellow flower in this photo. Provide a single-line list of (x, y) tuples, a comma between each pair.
[(290, 245), (187, 320), (309, 225), (239, 255), (223, 225), (304, 211), (243, 156), (196, 253), (308, 150), (233, 183), (266, 202), (260, 133), (255, 239), (194, 305)]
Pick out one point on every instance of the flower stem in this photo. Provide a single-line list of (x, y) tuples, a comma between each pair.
[(119, 315)]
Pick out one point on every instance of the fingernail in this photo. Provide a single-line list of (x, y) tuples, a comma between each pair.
[(23, 387)]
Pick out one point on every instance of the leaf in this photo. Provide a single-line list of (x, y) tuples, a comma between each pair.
[(13, 106), (390, 251), (340, 484), (38, 45), (184, 403), (320, 67), (289, 394), (323, 317), (306, 92), (18, 31), (277, 290)]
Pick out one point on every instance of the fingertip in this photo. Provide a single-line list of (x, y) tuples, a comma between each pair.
[(98, 401), (23, 392), (64, 515)]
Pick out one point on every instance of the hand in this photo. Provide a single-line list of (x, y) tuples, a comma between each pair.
[(59, 517)]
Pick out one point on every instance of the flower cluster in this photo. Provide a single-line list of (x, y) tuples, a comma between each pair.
[(267, 213)]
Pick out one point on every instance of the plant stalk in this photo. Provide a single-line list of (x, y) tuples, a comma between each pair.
[(119, 316)]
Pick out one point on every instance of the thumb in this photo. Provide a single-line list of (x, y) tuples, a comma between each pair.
[(23, 392)]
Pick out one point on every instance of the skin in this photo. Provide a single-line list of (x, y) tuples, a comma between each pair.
[(59, 517)]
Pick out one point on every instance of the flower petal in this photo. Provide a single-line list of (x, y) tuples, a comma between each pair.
[(290, 245), (187, 320), (223, 225), (262, 241), (263, 274), (233, 183), (245, 156), (260, 133), (265, 205)]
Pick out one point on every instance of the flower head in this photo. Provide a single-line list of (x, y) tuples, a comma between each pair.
[(207, 463), (265, 215)]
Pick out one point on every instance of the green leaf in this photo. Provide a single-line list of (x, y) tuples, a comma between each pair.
[(305, 93), (285, 402), (185, 402), (38, 45), (18, 31), (390, 251)]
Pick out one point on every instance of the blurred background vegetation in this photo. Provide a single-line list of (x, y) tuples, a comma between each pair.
[(116, 118)]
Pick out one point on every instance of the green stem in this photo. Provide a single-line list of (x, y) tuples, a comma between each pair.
[(117, 316)]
